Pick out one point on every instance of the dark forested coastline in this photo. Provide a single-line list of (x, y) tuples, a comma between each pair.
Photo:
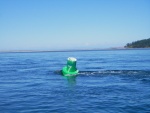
[(145, 43)]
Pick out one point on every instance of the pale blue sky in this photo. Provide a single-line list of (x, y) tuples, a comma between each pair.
[(72, 24)]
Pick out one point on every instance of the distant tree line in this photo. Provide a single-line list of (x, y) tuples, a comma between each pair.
[(145, 43)]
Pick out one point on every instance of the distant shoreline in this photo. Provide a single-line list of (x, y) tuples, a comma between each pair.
[(39, 51)]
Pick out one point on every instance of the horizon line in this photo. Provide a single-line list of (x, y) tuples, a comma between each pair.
[(71, 50)]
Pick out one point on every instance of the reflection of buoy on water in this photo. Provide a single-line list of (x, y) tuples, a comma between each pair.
[(70, 68)]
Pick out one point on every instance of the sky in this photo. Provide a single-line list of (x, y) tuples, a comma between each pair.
[(72, 24)]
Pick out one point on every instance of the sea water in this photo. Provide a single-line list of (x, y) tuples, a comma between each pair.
[(109, 81)]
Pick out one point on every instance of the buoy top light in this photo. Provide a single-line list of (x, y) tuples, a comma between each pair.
[(70, 68)]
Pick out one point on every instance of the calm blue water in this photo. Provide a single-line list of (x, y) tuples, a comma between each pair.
[(111, 81)]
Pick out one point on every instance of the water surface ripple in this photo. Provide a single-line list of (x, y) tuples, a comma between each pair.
[(114, 81)]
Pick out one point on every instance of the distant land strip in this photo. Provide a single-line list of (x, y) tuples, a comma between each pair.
[(145, 43)]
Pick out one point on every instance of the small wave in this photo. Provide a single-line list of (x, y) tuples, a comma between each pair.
[(110, 72), (146, 80), (59, 72), (27, 69), (8, 70), (31, 69), (94, 68), (115, 72)]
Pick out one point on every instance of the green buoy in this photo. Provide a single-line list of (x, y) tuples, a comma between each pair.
[(70, 68)]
